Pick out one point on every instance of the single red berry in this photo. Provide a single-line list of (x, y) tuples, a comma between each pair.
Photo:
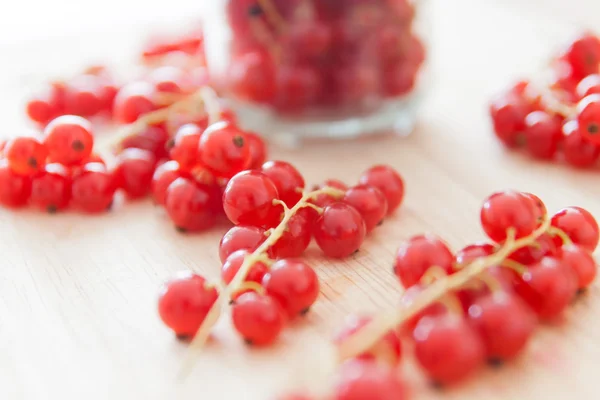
[(192, 206), (162, 178), (134, 171), (540, 207), (233, 263), (399, 78), (583, 55), (248, 200), (26, 155), (252, 76), (14, 189), (370, 202), (504, 323), (447, 348), (323, 200), (588, 85), (240, 238), (258, 150), (543, 246), (258, 319), (340, 230), (508, 210), (508, 113), (288, 181), (543, 134), (588, 117), (69, 139), (548, 286), (388, 349), (360, 380), (386, 179), (184, 303), (153, 138), (296, 237), (577, 150), (579, 225), (417, 255), (40, 109), (297, 88), (108, 91), (93, 188), (581, 262), (185, 146), (83, 96), (223, 150), (51, 191), (132, 101), (293, 284)]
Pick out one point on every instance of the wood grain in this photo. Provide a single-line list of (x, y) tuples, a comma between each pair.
[(78, 293)]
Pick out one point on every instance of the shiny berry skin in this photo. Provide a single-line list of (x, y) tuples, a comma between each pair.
[(508, 113), (51, 191), (153, 138), (14, 189), (223, 150), (162, 178), (324, 199), (184, 303), (408, 297), (388, 349), (41, 110), (472, 252), (293, 284), (252, 77), (132, 101), (93, 188), (361, 380), (415, 256), (583, 55), (386, 179), (69, 139), (581, 262), (369, 202), (240, 238), (258, 319), (588, 117), (233, 263), (504, 323), (26, 155), (577, 150), (248, 200), (548, 287), (508, 209), (544, 246), (134, 171), (588, 85), (340, 230), (296, 237), (447, 348), (258, 150), (192, 206), (288, 181), (540, 207), (543, 134), (579, 225), (185, 146)]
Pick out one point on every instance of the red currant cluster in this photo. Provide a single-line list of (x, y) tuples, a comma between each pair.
[(275, 222), (345, 54), (559, 120), (481, 303)]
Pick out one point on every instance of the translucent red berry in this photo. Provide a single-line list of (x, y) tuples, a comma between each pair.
[(14, 189), (240, 238), (162, 178), (25, 155), (51, 191), (132, 101), (297, 235), (93, 188), (578, 151), (184, 303), (83, 96), (505, 210), (360, 379), (252, 76), (370, 202), (579, 225), (153, 138), (543, 134), (407, 299), (233, 263), (40, 109), (388, 181), (415, 256), (580, 261), (287, 179), (192, 206), (543, 246), (588, 118), (583, 55), (134, 171), (185, 146), (258, 150), (340, 230), (69, 139), (508, 113), (223, 150), (258, 319)]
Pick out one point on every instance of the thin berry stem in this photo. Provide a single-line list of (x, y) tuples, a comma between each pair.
[(554, 231)]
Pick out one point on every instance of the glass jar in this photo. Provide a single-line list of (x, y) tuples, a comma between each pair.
[(295, 69)]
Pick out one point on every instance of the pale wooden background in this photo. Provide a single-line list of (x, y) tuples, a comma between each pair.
[(78, 293)]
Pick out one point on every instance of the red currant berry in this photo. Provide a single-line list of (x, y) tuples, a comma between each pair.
[(153, 138), (287, 179), (472, 252), (588, 110), (360, 379), (184, 303), (386, 179), (369, 202), (240, 238), (192, 206), (93, 188), (577, 150), (540, 207), (505, 210), (134, 171), (583, 55), (543, 246), (543, 134), (588, 85), (163, 176), (252, 76), (579, 225), (25, 155), (296, 237), (581, 262), (310, 40), (548, 287), (417, 255), (234, 262), (41, 110), (258, 150), (248, 200), (293, 284), (83, 96), (132, 101), (69, 139), (503, 322), (51, 191), (508, 113), (297, 88), (407, 299), (340, 230), (223, 150), (447, 348), (185, 146), (14, 189), (388, 349), (323, 200), (258, 319)]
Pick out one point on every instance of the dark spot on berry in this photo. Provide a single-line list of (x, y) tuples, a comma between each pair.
[(356, 251), (305, 311), (231, 302), (520, 139), (32, 162), (255, 10), (238, 141), (170, 144), (436, 385), (110, 206), (380, 223), (495, 362), (51, 209), (581, 291), (593, 128), (77, 145), (248, 342), (180, 229), (183, 338)]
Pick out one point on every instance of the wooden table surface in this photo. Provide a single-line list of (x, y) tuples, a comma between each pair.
[(78, 293)]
